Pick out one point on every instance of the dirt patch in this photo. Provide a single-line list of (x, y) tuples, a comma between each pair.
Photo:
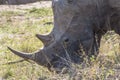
[(39, 4)]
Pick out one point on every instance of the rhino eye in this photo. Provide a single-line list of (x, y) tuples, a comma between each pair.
[(66, 40)]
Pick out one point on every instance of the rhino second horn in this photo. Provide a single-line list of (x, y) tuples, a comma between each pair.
[(46, 39)]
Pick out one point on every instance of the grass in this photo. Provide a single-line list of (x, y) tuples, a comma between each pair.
[(19, 33), (9, 13), (42, 12)]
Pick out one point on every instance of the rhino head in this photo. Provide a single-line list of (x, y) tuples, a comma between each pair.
[(75, 23), (72, 27)]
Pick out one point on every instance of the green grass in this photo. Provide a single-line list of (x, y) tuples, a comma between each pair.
[(9, 13), (21, 36), (42, 12), (19, 33)]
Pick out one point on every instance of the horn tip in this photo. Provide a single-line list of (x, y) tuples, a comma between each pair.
[(37, 35), (12, 50), (9, 48)]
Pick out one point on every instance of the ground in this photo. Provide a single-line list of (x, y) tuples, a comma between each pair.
[(18, 26)]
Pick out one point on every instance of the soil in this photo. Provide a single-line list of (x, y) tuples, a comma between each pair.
[(40, 4)]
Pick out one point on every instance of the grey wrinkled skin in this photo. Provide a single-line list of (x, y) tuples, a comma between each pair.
[(78, 26)]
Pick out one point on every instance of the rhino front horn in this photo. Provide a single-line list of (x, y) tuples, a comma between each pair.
[(46, 39), (38, 57), (22, 54)]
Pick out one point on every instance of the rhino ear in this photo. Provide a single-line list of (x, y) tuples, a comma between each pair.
[(46, 39)]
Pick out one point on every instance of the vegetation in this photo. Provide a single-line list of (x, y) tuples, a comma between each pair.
[(18, 29)]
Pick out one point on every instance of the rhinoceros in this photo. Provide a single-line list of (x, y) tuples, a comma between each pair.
[(78, 26)]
